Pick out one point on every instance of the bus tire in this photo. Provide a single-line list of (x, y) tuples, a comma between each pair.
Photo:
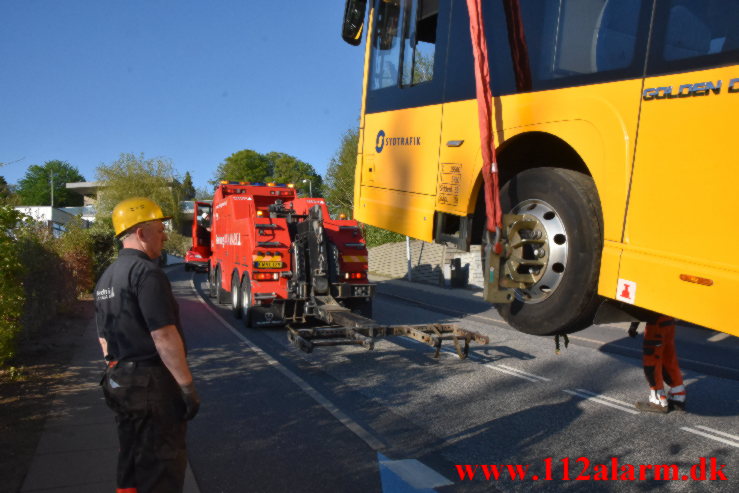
[(235, 295), (246, 301), (220, 292), (567, 201)]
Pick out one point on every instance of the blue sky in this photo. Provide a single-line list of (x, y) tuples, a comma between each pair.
[(194, 81)]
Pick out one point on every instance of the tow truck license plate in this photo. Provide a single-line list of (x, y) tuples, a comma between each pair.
[(269, 264)]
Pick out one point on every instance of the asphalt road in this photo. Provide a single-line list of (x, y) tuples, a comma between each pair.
[(395, 419)]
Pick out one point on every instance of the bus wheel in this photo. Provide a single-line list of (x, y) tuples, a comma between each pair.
[(220, 292), (235, 295), (246, 304), (563, 298)]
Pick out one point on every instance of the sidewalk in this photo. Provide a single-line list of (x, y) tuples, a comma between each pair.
[(78, 448)]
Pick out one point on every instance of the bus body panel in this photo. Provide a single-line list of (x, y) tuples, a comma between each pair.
[(660, 148), (681, 218)]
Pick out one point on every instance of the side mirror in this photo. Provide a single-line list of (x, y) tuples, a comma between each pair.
[(351, 31)]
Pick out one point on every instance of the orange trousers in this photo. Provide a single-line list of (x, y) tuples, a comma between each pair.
[(660, 357)]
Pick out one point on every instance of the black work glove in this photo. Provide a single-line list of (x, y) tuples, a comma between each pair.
[(192, 401)]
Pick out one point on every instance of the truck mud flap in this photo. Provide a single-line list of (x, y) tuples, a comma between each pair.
[(268, 316)]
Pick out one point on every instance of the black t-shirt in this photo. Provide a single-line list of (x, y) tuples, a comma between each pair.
[(132, 298)]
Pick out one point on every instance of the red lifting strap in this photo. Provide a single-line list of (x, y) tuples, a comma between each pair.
[(485, 116)]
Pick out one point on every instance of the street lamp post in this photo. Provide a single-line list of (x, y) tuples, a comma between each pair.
[(310, 187)]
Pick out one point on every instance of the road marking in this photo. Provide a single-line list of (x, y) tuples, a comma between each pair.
[(365, 435), (599, 400), (711, 430), (543, 379), (408, 475), (503, 368), (509, 372), (627, 405), (712, 437)]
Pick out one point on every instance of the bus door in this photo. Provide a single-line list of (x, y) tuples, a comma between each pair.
[(681, 226), (403, 116)]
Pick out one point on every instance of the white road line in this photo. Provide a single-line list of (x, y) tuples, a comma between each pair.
[(600, 396), (711, 430), (366, 436), (601, 401), (513, 373), (712, 437), (543, 379)]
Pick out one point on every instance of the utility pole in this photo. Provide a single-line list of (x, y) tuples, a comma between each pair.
[(52, 188)]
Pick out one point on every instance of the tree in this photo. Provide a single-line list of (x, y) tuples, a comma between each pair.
[(340, 174), (203, 193), (7, 197), (135, 176), (35, 187), (289, 169), (188, 190), (244, 165)]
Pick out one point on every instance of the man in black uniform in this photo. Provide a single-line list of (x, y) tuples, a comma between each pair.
[(147, 382)]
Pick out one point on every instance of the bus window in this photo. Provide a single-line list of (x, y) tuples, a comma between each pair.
[(420, 42), (386, 53), (405, 39), (569, 39), (694, 34)]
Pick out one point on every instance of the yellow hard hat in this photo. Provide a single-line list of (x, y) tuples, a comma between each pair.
[(133, 211)]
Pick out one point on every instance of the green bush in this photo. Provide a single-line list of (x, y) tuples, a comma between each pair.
[(377, 236), (11, 287), (103, 245), (177, 244), (48, 285), (42, 276), (76, 252)]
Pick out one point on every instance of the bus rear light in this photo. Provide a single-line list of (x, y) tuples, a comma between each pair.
[(260, 213), (355, 275), (266, 276)]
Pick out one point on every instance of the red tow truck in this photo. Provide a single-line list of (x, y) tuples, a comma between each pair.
[(198, 256), (279, 259)]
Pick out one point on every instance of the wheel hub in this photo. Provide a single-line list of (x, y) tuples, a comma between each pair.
[(538, 251)]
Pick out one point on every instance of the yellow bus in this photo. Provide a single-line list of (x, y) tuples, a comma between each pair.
[(615, 127)]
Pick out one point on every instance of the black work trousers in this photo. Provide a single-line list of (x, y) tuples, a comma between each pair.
[(151, 432)]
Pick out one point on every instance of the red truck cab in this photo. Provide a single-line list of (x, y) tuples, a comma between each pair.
[(198, 256)]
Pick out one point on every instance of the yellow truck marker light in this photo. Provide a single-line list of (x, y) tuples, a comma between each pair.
[(354, 258)]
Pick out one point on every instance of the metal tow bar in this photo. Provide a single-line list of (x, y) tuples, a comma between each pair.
[(434, 335)]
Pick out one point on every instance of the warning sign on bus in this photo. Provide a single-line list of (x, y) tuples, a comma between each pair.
[(626, 291)]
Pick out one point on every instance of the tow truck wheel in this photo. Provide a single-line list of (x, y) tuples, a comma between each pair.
[(246, 304), (563, 298), (235, 295), (220, 292), (211, 285)]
